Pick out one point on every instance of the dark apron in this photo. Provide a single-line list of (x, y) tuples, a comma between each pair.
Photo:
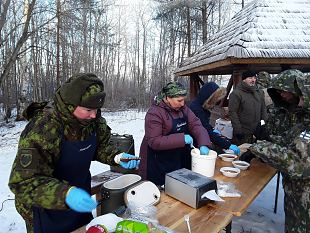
[(160, 162), (73, 166)]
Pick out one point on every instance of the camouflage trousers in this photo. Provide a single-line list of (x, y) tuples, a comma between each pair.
[(296, 205), (29, 227)]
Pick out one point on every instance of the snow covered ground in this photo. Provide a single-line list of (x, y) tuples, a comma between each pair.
[(258, 218)]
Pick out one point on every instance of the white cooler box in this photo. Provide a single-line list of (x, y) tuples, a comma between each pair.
[(225, 127)]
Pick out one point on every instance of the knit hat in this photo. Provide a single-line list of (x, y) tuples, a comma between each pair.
[(248, 74), (84, 89), (172, 90)]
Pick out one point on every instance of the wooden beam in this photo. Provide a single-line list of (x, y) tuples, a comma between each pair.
[(209, 68)]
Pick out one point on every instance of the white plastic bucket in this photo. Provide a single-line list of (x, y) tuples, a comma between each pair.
[(203, 164)]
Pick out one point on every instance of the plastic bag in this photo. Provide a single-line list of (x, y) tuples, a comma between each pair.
[(226, 189), (146, 215)]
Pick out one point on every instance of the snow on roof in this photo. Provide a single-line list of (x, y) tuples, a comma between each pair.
[(262, 29)]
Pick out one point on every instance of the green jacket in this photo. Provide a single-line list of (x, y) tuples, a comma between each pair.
[(31, 178), (246, 108)]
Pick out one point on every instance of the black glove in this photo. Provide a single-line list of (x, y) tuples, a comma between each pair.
[(247, 156)]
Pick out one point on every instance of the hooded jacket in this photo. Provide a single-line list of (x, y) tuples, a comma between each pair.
[(289, 150), (31, 178), (208, 96)]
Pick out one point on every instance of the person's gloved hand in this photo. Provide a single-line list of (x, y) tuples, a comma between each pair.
[(235, 148), (216, 131), (188, 139), (130, 164), (79, 200), (204, 150)]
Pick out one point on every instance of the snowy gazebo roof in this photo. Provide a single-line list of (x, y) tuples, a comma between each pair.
[(270, 35)]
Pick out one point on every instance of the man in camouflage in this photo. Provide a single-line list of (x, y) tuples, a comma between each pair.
[(50, 176), (289, 149)]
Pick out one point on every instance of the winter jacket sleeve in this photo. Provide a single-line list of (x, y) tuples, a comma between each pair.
[(233, 106), (196, 129), (204, 117), (264, 109), (31, 178), (154, 132), (292, 159)]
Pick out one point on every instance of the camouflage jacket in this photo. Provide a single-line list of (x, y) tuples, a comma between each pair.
[(39, 147), (289, 150)]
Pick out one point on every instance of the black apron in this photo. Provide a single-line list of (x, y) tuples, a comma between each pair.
[(160, 162), (73, 166)]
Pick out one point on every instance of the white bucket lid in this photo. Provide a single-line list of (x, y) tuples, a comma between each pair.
[(196, 153)]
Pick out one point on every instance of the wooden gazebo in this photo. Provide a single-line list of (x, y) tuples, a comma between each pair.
[(266, 35)]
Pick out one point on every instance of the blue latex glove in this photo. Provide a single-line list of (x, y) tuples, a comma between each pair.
[(131, 164), (204, 150), (80, 200), (216, 131), (188, 139), (235, 149)]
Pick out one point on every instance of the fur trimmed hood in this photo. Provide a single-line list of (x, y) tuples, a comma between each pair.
[(209, 94)]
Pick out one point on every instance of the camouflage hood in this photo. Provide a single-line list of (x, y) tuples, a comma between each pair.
[(292, 81), (84, 89)]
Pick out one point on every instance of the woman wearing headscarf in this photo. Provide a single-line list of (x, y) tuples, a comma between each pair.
[(170, 127)]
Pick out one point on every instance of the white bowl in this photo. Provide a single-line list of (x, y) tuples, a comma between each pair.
[(227, 157), (229, 151), (230, 171), (242, 165)]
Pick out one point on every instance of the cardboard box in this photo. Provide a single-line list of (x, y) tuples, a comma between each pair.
[(188, 187)]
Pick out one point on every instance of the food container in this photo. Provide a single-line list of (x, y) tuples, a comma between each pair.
[(227, 157), (230, 171), (242, 165), (203, 164), (112, 192), (225, 127)]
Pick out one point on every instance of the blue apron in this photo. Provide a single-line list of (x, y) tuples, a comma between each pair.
[(73, 166), (160, 162)]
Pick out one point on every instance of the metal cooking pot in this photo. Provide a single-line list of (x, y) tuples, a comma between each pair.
[(112, 192)]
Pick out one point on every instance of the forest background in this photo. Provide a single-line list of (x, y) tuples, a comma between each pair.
[(133, 46)]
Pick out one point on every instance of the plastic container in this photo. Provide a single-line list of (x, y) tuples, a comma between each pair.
[(225, 127), (203, 164)]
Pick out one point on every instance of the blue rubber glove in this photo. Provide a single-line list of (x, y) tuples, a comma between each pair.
[(216, 131), (204, 150), (235, 149), (188, 139), (131, 164), (80, 200)]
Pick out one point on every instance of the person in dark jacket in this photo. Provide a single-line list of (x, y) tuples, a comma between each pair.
[(210, 94), (246, 108), (50, 176), (170, 127)]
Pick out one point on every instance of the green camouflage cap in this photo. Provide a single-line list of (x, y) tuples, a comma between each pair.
[(263, 79), (172, 90), (84, 89)]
